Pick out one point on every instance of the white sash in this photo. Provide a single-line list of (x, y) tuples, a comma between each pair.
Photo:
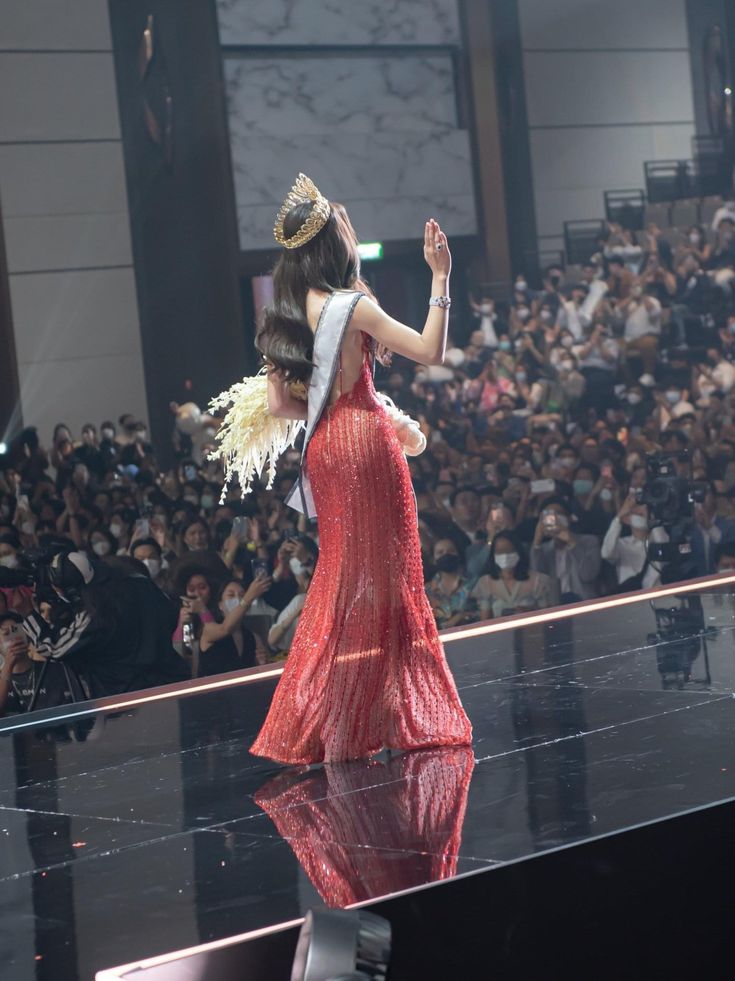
[(328, 337)]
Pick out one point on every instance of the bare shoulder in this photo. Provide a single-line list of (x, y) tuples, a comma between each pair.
[(315, 300), (366, 310), (315, 303)]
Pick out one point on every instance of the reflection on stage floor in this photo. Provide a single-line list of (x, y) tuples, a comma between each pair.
[(129, 832)]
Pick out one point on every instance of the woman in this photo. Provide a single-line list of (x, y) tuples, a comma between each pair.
[(195, 536), (510, 587), (102, 543), (366, 669), (225, 644), (449, 589), (196, 610)]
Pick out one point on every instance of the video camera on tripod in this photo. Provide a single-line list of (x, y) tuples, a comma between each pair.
[(670, 498)]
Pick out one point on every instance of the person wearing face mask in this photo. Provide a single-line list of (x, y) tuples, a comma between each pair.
[(562, 349), (671, 403), (102, 543), (520, 312), (563, 391), (637, 405), (226, 645), (148, 551), (505, 345), (9, 548), (509, 586), (583, 482), (449, 589), (572, 559), (120, 530), (500, 517), (485, 312), (697, 245), (628, 553), (282, 632)]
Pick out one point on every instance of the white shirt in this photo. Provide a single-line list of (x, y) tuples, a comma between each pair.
[(724, 374), (594, 358), (573, 318), (628, 554), (487, 321), (576, 318), (296, 604), (640, 322), (726, 212)]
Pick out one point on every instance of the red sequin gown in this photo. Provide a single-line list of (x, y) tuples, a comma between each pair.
[(366, 667), (364, 830)]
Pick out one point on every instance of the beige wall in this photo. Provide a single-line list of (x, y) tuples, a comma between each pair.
[(65, 213), (608, 86)]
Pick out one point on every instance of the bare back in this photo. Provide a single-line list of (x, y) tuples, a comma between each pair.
[(352, 350)]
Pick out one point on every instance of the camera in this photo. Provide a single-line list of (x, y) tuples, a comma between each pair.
[(670, 499), (32, 569)]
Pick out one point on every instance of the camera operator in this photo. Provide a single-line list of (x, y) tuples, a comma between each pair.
[(20, 674), (118, 635)]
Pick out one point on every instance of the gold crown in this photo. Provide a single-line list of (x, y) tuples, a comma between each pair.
[(304, 190)]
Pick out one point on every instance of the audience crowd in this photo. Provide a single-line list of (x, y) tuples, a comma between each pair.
[(538, 429)]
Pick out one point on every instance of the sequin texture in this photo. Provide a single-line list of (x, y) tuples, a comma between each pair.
[(411, 839), (366, 668)]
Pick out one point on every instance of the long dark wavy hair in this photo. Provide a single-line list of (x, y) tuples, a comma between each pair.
[(328, 262)]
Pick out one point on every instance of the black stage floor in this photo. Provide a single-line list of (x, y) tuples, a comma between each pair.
[(134, 829)]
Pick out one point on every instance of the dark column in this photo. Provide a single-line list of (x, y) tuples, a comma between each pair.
[(182, 208), (500, 134), (10, 408), (495, 267), (514, 139)]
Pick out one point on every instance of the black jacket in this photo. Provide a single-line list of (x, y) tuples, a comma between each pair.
[(127, 651)]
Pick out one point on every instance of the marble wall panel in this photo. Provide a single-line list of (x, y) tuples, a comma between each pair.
[(381, 219), (378, 134), (289, 96), (281, 22)]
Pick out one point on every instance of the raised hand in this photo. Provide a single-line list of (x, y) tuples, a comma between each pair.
[(436, 249)]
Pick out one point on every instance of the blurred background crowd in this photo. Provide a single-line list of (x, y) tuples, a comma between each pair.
[(539, 427)]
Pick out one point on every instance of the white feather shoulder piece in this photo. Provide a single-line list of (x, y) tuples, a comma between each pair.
[(250, 439)]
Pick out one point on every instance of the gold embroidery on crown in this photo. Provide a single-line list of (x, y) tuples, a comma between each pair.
[(303, 190)]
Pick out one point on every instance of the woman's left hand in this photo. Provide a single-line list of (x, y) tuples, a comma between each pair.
[(436, 249)]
